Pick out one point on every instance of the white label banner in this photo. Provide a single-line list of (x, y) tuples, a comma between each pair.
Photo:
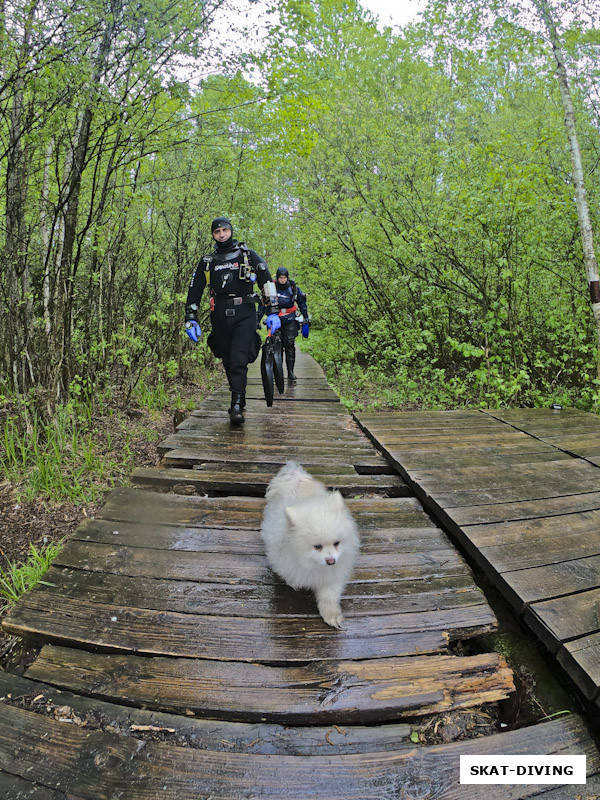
[(522, 769)]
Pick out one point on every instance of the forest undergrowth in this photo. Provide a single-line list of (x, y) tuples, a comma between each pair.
[(58, 463)]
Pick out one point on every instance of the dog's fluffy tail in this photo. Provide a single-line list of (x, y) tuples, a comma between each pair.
[(290, 482)]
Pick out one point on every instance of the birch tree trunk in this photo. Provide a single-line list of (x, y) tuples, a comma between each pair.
[(581, 200)]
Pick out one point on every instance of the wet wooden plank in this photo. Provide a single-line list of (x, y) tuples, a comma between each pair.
[(69, 757), (561, 619), (251, 639), (530, 543), (143, 506), (268, 454), (200, 539), (227, 567), (517, 494), (234, 482), (531, 414), (14, 788), (254, 438), (523, 587), (255, 600), (581, 660), (302, 423), (214, 412), (548, 507), (255, 447), (206, 734), (342, 692), (182, 456), (465, 457), (563, 472)]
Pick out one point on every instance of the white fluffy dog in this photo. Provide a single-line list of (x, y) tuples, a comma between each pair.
[(312, 541)]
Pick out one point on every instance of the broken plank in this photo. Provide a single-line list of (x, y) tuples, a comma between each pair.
[(204, 734), (344, 692)]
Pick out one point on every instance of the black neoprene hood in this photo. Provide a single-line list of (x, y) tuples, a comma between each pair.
[(220, 222)]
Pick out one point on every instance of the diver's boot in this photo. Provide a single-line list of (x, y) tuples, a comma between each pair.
[(290, 361), (235, 412)]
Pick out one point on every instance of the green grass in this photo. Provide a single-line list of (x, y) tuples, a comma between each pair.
[(17, 579), (61, 459)]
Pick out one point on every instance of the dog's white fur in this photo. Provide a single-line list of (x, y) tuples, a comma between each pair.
[(311, 539)]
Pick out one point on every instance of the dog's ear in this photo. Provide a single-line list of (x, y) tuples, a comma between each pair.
[(293, 516), (338, 500)]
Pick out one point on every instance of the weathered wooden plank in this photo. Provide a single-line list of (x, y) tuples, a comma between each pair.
[(421, 459), (591, 791), (69, 757), (252, 600), (171, 536), (240, 460), (257, 439), (342, 692), (321, 440), (233, 482), (522, 587), (530, 543), (251, 639), (568, 617), (142, 506), (532, 526), (316, 470), (381, 420), (232, 568), (256, 447), (205, 734), (259, 414), (243, 540), (581, 660), (517, 494), (530, 415), (582, 446), (271, 454), (564, 471), (14, 788), (531, 509)]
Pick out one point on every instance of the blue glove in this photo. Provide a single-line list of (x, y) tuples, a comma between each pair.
[(193, 330), (273, 322), (305, 327)]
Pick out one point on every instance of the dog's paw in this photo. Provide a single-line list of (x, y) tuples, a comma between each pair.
[(335, 619)]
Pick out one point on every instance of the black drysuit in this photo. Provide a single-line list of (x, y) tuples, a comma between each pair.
[(233, 306), (289, 297)]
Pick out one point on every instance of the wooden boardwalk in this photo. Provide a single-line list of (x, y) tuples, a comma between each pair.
[(170, 662), (520, 489)]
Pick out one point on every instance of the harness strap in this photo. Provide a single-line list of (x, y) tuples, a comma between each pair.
[(287, 311)]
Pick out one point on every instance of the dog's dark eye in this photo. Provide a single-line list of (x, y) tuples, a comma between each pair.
[(336, 544), (318, 547)]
